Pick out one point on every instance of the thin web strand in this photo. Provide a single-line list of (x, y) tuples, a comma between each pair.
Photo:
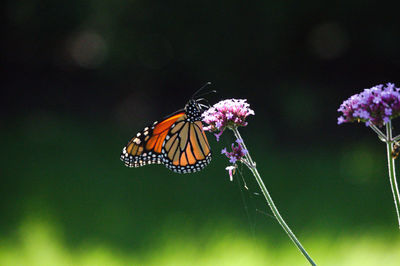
[(251, 219)]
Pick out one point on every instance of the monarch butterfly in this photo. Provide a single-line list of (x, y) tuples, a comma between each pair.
[(178, 142), (396, 150)]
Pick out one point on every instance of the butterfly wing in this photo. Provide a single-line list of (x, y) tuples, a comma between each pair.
[(396, 150), (186, 147), (181, 145), (147, 146)]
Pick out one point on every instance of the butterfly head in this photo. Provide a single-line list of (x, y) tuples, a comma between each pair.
[(193, 110)]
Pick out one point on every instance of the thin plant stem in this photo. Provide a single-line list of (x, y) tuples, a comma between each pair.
[(253, 169), (381, 136), (392, 172), (397, 138)]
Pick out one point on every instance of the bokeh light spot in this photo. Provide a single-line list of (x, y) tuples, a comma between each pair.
[(87, 49), (328, 40)]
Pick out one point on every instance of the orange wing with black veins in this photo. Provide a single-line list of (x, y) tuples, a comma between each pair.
[(146, 147)]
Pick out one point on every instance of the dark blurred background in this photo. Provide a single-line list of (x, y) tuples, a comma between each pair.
[(79, 78)]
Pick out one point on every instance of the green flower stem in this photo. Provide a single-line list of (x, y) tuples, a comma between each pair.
[(253, 169), (392, 172), (397, 138), (381, 136)]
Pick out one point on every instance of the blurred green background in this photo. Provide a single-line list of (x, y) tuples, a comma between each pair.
[(79, 78)]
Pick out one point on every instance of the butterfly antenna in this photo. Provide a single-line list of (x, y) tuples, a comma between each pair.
[(202, 88), (208, 92)]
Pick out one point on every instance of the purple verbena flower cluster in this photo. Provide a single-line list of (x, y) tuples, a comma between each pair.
[(237, 152), (376, 106), (227, 113)]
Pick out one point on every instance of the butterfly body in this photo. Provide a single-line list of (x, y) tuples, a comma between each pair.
[(178, 142)]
